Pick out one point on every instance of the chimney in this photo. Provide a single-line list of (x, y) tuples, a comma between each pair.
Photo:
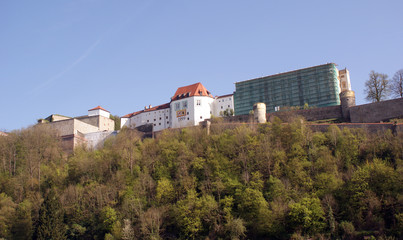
[(149, 106)]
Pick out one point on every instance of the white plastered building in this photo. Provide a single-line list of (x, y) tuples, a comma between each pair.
[(189, 106)]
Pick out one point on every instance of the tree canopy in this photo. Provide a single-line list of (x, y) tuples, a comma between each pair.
[(272, 181), (377, 87)]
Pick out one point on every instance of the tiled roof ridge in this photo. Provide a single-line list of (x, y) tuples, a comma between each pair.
[(98, 108), (226, 95), (159, 107), (196, 89)]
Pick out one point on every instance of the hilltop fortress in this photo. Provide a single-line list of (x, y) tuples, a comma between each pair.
[(316, 93)]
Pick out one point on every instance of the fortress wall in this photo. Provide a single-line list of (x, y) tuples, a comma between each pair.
[(96, 140), (106, 124), (376, 112), (370, 127), (64, 127), (83, 127), (92, 120), (313, 114)]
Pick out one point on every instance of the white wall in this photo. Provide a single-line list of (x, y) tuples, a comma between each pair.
[(193, 113), (159, 118), (181, 113), (222, 104), (97, 112), (124, 122), (203, 111)]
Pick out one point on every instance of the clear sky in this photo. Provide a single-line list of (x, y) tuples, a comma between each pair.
[(66, 57)]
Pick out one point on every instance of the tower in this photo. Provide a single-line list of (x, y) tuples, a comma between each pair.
[(259, 110), (344, 78), (347, 100)]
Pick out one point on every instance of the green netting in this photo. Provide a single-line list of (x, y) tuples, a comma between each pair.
[(317, 86)]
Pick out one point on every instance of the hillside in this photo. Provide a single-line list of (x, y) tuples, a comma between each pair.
[(275, 180)]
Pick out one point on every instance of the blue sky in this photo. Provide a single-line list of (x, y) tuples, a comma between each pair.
[(66, 57)]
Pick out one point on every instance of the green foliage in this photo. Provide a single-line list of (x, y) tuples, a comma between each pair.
[(307, 216), (116, 119), (51, 216), (7, 210), (275, 181)]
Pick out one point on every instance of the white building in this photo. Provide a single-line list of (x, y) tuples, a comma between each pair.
[(189, 106), (159, 117), (99, 111), (222, 104)]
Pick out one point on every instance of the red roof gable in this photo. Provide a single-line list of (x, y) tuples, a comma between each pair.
[(159, 107), (196, 89), (99, 108)]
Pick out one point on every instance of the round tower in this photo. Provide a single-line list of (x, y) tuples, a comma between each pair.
[(347, 100), (259, 110)]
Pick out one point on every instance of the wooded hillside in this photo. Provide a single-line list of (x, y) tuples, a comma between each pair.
[(275, 180)]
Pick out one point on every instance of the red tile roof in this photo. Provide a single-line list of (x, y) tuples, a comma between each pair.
[(223, 96), (196, 89), (159, 107), (99, 108)]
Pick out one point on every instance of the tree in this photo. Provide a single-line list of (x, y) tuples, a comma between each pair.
[(397, 83), (307, 216), (116, 120), (50, 222), (377, 87), (7, 211)]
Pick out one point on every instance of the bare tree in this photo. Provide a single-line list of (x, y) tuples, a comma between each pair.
[(377, 87), (397, 83)]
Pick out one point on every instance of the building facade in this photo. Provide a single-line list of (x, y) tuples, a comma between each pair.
[(90, 130), (317, 86), (189, 106)]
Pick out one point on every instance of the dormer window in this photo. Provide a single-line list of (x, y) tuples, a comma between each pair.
[(200, 92)]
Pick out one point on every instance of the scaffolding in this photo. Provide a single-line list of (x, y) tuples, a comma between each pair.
[(316, 86)]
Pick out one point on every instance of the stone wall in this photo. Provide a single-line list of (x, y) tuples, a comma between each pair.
[(313, 114), (377, 112), (370, 127), (96, 140), (101, 122), (64, 127), (92, 120), (82, 127), (106, 124)]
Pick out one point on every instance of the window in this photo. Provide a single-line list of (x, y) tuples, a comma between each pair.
[(185, 104), (188, 118), (221, 107), (177, 106), (187, 113), (201, 117), (159, 124), (167, 122), (228, 106), (148, 120), (160, 118), (155, 119), (198, 102), (166, 117), (155, 124)]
